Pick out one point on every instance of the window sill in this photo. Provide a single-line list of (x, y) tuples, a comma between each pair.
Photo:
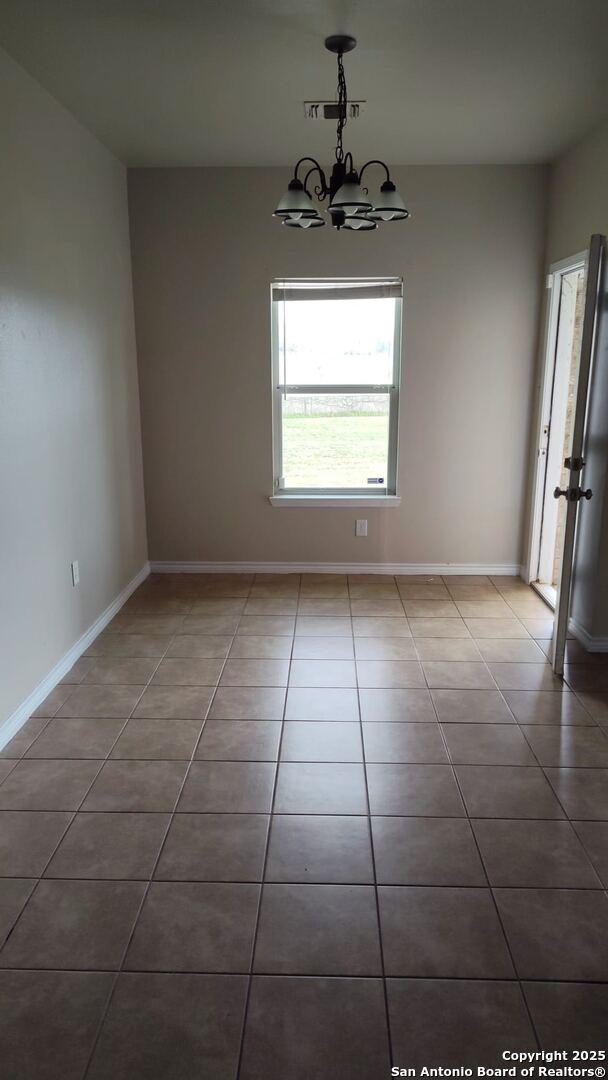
[(333, 501)]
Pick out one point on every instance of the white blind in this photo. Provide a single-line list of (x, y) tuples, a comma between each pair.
[(337, 290)]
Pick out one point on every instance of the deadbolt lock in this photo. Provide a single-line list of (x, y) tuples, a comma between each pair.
[(572, 494)]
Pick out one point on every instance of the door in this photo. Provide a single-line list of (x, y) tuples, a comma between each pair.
[(560, 381), (573, 492)]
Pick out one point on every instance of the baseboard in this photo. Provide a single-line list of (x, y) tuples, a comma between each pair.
[(331, 568), (11, 726), (587, 640)]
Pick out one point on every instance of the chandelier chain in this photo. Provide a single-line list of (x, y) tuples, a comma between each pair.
[(342, 109)]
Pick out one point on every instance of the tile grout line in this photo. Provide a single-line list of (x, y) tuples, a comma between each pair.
[(266, 853), (327, 975), (321, 885), (373, 859), (107, 760), (291, 813)]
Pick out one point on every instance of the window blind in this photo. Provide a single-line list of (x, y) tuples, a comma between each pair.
[(366, 290)]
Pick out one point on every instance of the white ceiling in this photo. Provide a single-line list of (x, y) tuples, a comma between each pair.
[(221, 82)]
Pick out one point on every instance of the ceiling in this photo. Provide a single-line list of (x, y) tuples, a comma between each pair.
[(221, 82)]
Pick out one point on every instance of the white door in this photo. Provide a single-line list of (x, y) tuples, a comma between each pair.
[(562, 360), (585, 457)]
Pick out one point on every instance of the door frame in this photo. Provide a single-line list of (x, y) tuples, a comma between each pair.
[(543, 418)]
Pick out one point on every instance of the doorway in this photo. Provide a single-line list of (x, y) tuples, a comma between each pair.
[(566, 281)]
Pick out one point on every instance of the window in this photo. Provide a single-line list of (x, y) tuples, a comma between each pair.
[(336, 358)]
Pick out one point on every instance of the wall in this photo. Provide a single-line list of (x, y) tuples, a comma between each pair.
[(70, 451), (578, 196), (205, 248), (578, 207)]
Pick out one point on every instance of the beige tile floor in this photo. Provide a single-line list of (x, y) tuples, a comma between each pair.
[(284, 826)]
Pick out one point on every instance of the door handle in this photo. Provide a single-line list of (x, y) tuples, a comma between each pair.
[(572, 494)]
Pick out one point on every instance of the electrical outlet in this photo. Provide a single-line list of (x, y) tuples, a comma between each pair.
[(361, 527), (75, 573)]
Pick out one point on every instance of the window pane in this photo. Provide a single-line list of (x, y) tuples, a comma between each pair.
[(335, 440), (336, 341)]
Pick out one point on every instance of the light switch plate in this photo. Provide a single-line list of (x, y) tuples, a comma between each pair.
[(361, 527)]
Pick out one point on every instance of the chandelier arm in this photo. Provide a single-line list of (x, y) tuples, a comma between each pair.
[(375, 161), (321, 190), (301, 161)]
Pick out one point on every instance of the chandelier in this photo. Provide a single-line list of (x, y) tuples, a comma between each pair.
[(350, 204)]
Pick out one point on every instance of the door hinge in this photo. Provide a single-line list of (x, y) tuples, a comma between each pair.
[(549, 281), (574, 463)]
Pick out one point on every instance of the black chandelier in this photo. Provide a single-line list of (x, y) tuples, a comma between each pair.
[(350, 204)]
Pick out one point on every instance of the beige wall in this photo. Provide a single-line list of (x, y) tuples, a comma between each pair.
[(578, 205), (70, 457), (205, 248), (578, 196)]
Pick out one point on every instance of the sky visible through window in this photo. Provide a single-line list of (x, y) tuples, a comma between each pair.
[(336, 341)]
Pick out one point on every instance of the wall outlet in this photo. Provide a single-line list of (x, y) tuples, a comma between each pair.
[(75, 573), (361, 527)]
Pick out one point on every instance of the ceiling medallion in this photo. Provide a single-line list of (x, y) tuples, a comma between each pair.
[(350, 205)]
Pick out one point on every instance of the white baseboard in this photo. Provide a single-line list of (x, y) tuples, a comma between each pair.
[(590, 643), (11, 725), (330, 568)]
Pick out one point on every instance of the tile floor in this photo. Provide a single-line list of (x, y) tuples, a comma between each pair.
[(292, 827)]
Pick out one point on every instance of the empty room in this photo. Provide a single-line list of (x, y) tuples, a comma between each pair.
[(304, 539)]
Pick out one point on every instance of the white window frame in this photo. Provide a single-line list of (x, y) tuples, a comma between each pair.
[(383, 495)]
